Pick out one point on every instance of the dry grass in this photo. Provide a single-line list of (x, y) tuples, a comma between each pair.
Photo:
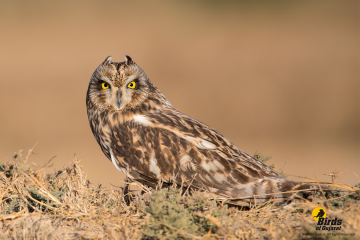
[(65, 205)]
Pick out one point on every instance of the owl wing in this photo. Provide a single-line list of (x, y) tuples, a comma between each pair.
[(173, 147)]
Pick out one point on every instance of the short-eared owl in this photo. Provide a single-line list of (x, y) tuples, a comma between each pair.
[(147, 138)]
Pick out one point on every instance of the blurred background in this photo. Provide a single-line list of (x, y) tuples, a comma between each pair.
[(278, 77)]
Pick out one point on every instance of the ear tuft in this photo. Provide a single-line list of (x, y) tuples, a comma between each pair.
[(108, 60), (127, 59)]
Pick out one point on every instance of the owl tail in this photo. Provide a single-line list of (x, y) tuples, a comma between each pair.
[(264, 189)]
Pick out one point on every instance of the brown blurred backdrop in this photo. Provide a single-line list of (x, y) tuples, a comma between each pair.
[(281, 78)]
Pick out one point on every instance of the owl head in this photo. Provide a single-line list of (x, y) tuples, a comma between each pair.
[(118, 86)]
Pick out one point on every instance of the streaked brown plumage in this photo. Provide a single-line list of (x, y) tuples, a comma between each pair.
[(150, 140)]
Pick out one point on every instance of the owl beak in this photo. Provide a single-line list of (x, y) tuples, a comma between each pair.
[(119, 98)]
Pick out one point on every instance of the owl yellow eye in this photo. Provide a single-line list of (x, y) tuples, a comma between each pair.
[(132, 85), (105, 85)]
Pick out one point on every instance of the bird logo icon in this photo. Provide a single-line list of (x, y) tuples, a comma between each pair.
[(318, 213)]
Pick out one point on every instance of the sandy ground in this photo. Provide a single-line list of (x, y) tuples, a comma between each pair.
[(281, 78)]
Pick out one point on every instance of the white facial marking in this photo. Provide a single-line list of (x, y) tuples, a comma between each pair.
[(142, 120), (105, 79), (113, 160), (153, 167)]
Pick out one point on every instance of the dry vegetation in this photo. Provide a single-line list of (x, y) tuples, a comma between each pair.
[(65, 205)]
